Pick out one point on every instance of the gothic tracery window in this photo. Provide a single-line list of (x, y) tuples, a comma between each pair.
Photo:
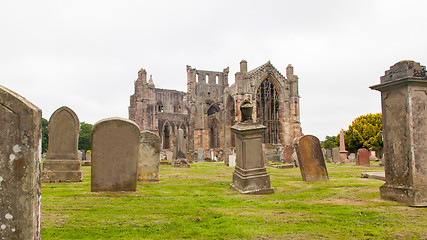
[(267, 105)]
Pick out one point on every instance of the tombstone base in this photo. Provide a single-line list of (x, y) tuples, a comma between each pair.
[(61, 171), (407, 195), (180, 163), (252, 181)]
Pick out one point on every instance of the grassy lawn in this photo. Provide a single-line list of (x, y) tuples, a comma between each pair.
[(196, 203)]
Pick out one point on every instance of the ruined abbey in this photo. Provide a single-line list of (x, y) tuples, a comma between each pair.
[(211, 106)]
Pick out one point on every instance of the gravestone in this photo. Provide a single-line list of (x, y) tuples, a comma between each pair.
[(232, 160), (336, 157), (180, 145), (62, 162), (250, 175), (352, 157), (115, 147), (295, 159), (328, 153), (287, 155), (372, 155), (88, 156), (200, 157), (20, 167), (169, 155), (403, 98), (343, 152), (310, 158), (149, 157), (363, 157)]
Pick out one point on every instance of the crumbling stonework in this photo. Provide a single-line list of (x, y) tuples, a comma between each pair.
[(210, 107), (404, 98), (20, 167)]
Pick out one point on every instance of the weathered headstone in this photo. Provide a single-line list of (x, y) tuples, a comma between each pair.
[(372, 155), (363, 157), (310, 158), (250, 175), (295, 158), (149, 157), (328, 153), (336, 157), (352, 157), (115, 147), (403, 98), (180, 145), (232, 160), (287, 155), (62, 162), (169, 155), (20, 167), (200, 157), (343, 152)]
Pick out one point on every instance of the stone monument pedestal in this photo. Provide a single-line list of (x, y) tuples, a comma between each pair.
[(403, 98), (250, 175), (57, 170)]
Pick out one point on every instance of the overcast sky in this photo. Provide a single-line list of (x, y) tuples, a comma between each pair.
[(86, 54)]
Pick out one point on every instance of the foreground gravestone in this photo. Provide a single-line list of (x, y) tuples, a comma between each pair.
[(363, 157), (250, 175), (62, 162), (310, 158), (403, 98), (115, 147), (149, 157), (20, 167)]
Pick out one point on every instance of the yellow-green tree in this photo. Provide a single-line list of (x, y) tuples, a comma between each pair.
[(364, 132)]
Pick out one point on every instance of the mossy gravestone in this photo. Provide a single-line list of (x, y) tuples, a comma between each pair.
[(20, 166), (310, 159)]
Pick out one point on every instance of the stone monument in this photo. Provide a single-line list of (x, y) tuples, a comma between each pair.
[(343, 152), (250, 175), (363, 157), (310, 157), (115, 147), (62, 162), (287, 155), (149, 157), (403, 98), (20, 167), (336, 157)]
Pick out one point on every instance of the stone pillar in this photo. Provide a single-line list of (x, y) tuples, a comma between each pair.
[(20, 167), (310, 158), (149, 157), (343, 152), (250, 175), (403, 98), (62, 162), (115, 146)]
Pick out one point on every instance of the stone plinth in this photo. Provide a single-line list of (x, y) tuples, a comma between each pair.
[(149, 157), (250, 175), (310, 158), (403, 98), (20, 167), (363, 157), (62, 162), (115, 147)]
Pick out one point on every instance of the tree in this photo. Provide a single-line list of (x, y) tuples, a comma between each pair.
[(364, 132), (85, 136), (330, 142), (45, 135)]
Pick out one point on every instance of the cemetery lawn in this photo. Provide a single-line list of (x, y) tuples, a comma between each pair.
[(197, 203)]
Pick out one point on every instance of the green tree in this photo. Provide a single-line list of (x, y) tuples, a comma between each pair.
[(45, 135), (85, 136), (330, 142), (364, 132)]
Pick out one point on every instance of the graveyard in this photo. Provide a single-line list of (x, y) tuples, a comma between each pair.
[(197, 203)]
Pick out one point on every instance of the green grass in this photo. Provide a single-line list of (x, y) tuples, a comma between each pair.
[(197, 203)]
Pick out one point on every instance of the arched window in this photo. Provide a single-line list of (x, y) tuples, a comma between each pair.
[(267, 104), (159, 107)]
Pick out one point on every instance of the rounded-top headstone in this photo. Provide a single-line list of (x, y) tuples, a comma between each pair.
[(310, 158), (363, 157), (115, 145)]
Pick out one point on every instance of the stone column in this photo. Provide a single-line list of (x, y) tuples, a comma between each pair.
[(343, 152), (404, 98), (20, 167), (250, 175)]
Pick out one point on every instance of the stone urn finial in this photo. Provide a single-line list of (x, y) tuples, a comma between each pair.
[(246, 108)]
